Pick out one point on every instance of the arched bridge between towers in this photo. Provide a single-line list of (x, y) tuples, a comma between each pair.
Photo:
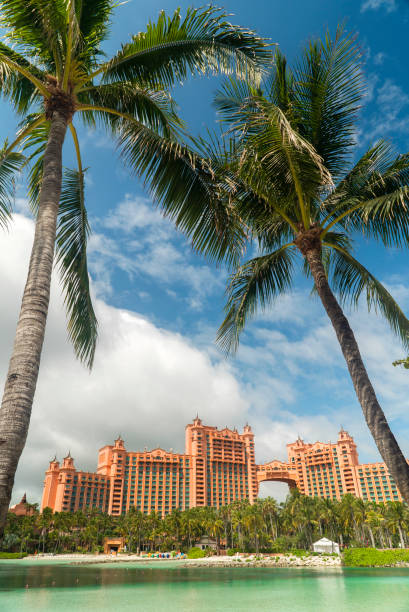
[(278, 471)]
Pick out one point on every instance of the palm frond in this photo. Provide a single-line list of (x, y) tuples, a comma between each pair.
[(10, 164), (329, 89), (256, 283), (234, 101), (94, 19), (154, 108), (185, 186), (291, 167), (35, 146), (71, 257), (350, 279), (280, 86), (38, 25), (374, 196), (203, 42), (14, 86), (404, 362)]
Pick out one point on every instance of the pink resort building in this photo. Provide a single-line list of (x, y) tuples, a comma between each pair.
[(217, 468), (331, 470)]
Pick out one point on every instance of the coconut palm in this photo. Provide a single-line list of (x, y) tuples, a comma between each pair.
[(289, 175), (53, 70), (397, 520)]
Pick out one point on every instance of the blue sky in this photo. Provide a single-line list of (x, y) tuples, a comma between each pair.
[(160, 304)]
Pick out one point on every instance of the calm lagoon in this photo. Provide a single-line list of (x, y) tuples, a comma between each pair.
[(59, 587)]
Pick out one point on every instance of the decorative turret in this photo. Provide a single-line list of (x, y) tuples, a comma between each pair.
[(196, 421), (54, 465), (119, 443), (344, 436), (68, 462), (247, 429)]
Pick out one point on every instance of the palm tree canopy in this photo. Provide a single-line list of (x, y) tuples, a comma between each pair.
[(288, 172), (52, 60)]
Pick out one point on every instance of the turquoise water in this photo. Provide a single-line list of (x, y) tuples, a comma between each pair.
[(157, 588)]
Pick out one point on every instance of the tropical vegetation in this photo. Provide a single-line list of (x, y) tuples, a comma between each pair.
[(285, 167), (371, 557), (53, 70), (265, 526)]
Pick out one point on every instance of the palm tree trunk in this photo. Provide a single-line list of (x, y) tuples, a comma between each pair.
[(402, 541), (373, 413), (371, 536), (24, 364)]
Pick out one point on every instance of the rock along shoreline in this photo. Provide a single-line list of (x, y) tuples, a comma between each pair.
[(276, 560)]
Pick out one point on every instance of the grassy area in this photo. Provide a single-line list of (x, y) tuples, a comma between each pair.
[(10, 555), (372, 557)]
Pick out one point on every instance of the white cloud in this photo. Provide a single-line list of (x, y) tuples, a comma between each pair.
[(387, 117), (388, 5), (135, 213), (379, 58), (146, 244)]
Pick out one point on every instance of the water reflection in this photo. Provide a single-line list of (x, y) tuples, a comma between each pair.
[(65, 587)]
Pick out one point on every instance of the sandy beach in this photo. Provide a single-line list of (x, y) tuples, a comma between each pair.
[(276, 560)]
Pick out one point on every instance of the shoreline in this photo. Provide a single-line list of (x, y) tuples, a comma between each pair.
[(273, 560)]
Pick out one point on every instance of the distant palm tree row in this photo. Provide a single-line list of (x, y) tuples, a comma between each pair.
[(279, 178), (264, 526)]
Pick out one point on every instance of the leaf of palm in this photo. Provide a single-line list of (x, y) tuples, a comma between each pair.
[(257, 282), (280, 165), (351, 279), (183, 184), (373, 197), (234, 101), (280, 86), (18, 89), (173, 47), (38, 24), (35, 143), (93, 18), (154, 108), (10, 164), (71, 257), (329, 87)]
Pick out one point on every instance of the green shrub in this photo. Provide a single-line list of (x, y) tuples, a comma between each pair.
[(283, 544), (299, 552), (372, 557), (11, 555), (196, 553), (232, 551)]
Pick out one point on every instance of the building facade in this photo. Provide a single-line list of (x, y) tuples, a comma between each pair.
[(217, 468), (331, 470)]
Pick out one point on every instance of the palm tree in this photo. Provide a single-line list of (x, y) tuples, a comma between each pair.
[(55, 69), (397, 519), (288, 174)]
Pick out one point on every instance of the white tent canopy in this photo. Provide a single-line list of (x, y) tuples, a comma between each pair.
[(325, 546)]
